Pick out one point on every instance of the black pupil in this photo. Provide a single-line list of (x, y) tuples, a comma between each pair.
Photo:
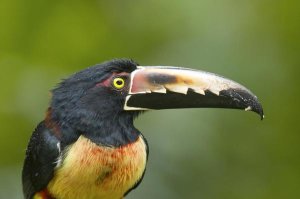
[(119, 82)]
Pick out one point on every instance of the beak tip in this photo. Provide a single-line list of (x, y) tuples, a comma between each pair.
[(244, 99), (257, 108), (261, 112)]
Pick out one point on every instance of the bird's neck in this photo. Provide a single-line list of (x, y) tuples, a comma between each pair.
[(113, 130)]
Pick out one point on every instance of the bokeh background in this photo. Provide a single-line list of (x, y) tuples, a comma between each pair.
[(195, 153)]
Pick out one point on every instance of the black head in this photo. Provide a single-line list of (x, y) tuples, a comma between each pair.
[(92, 100)]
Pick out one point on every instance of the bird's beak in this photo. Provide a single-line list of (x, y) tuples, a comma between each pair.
[(156, 87)]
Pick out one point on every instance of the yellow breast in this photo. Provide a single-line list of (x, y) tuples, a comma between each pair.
[(90, 171)]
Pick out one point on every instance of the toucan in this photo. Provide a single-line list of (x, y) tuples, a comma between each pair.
[(87, 146)]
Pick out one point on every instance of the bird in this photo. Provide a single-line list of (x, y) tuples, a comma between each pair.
[(87, 146)]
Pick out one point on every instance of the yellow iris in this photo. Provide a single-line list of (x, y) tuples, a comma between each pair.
[(118, 82)]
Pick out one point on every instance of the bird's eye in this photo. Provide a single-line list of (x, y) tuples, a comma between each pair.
[(118, 83)]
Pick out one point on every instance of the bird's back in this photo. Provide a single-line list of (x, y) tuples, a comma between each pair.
[(40, 161)]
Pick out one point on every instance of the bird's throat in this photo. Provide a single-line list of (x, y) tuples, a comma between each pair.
[(112, 133), (112, 130)]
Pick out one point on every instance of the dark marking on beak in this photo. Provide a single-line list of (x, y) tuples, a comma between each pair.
[(162, 79)]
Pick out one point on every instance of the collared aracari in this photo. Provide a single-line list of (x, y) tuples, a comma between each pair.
[(87, 146)]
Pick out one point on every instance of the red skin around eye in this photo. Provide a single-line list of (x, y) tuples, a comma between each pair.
[(107, 81)]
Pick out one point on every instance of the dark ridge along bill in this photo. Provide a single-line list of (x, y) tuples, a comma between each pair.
[(231, 98)]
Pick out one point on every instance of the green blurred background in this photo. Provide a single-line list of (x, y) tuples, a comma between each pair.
[(196, 153)]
